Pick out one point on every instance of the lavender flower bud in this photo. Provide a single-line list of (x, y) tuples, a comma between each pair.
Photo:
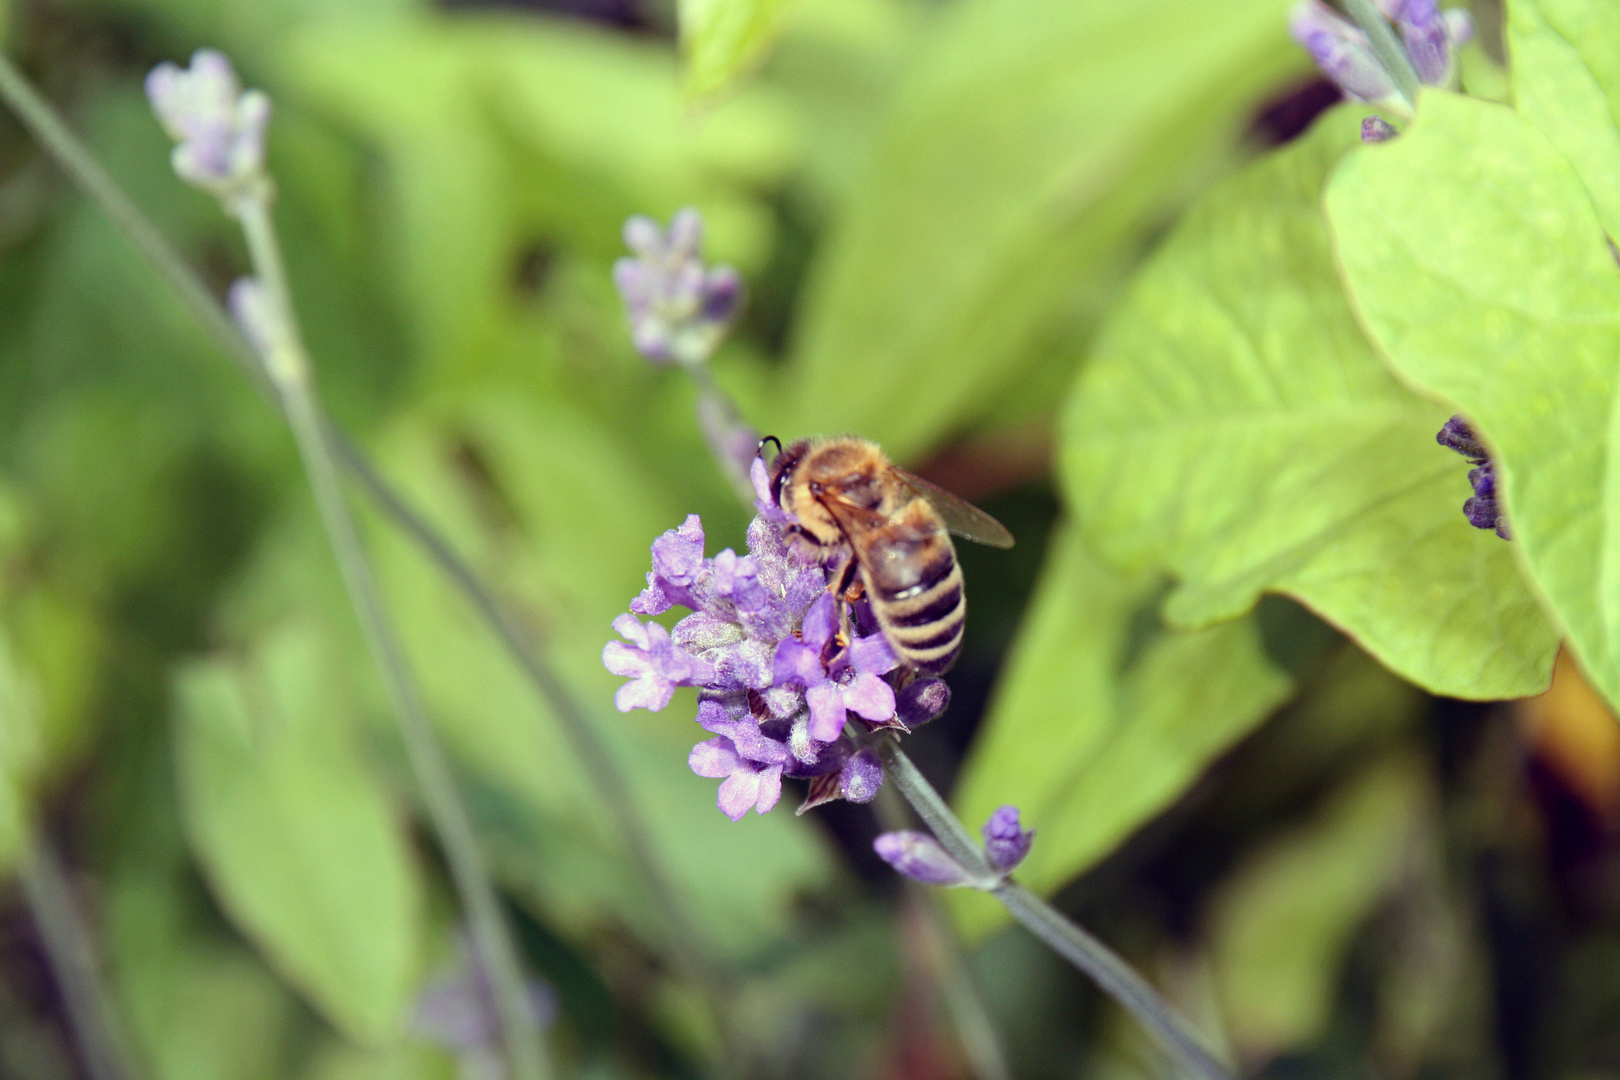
[(861, 776), (918, 856), (1341, 51), (1459, 26), (921, 702), (1005, 844), (1375, 129), (1423, 30), (1457, 435), (679, 309), (219, 129)]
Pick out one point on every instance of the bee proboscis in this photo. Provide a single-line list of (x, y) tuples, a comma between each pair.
[(887, 532)]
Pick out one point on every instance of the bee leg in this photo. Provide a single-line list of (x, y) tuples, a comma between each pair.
[(840, 582)]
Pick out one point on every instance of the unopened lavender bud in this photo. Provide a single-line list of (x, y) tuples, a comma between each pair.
[(1341, 51), (919, 856), (861, 776), (921, 702), (1423, 29), (1375, 129), (218, 128), (1005, 844), (1457, 435)]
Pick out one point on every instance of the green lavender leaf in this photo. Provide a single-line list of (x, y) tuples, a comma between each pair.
[(298, 837), (1479, 264), (1236, 428)]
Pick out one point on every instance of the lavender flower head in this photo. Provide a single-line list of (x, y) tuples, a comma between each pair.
[(1482, 510), (679, 309), (218, 128), (782, 691), (1345, 55)]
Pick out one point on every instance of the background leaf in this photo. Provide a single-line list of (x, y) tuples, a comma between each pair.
[(1235, 427), (1026, 151), (1480, 267), (296, 835), (722, 40), (1281, 924), (1101, 720)]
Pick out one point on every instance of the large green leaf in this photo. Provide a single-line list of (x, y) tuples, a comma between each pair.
[(1029, 148), (722, 40), (1566, 81), (1236, 427), (1481, 268), (297, 836), (1095, 728)]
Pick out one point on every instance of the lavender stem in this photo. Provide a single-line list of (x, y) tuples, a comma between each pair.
[(70, 950), (1116, 978), (287, 364)]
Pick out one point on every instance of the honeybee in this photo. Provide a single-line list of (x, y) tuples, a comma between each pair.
[(887, 533)]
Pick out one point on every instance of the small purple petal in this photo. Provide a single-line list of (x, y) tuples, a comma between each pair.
[(827, 712), (918, 856), (797, 663), (868, 696), (873, 655), (715, 758), (1005, 844), (1340, 50), (678, 553), (821, 622)]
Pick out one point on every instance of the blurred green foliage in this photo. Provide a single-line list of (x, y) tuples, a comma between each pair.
[(984, 232)]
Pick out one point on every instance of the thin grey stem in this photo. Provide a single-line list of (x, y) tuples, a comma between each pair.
[(1116, 978), (593, 752), (70, 951), (595, 756), (288, 367), (975, 1028), (1390, 52)]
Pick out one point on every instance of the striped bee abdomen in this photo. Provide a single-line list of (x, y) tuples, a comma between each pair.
[(915, 587)]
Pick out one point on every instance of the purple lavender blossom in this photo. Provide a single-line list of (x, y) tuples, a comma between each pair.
[(920, 857), (1005, 844), (219, 128), (778, 682), (851, 683), (1483, 511), (654, 664), (678, 308)]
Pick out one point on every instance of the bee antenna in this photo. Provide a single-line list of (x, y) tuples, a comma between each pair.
[(769, 439)]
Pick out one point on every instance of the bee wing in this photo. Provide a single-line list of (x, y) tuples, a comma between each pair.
[(960, 516)]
